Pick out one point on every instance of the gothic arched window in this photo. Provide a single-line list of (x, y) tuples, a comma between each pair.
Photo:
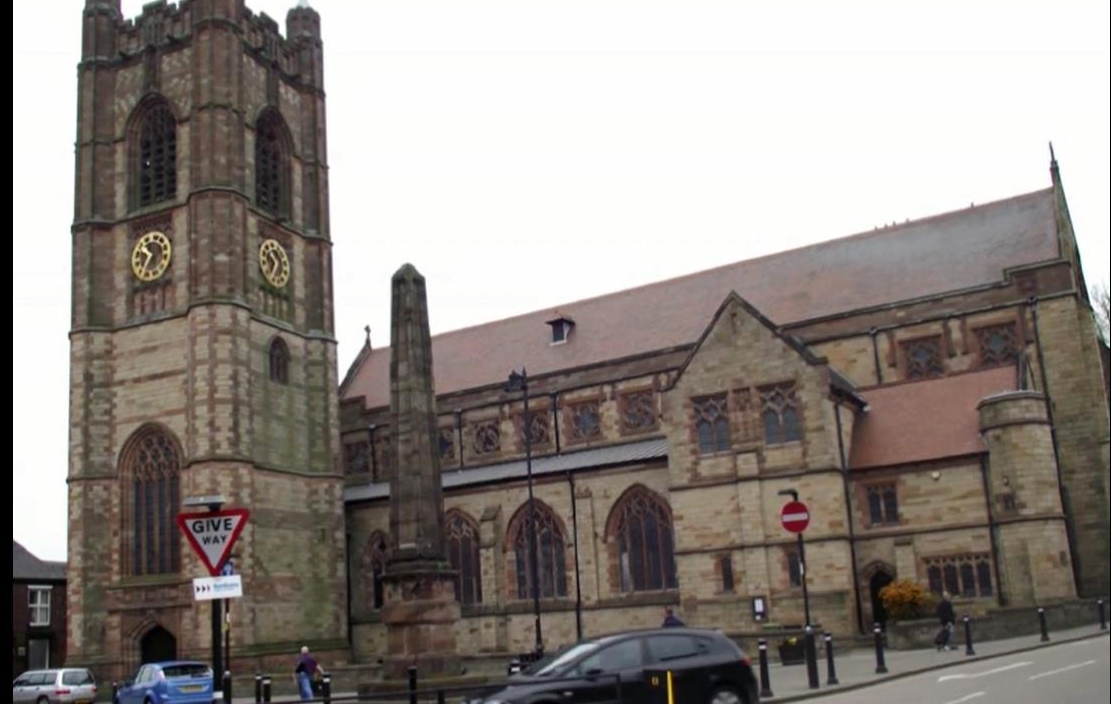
[(374, 562), (149, 471), (640, 530), (271, 164), (154, 153), (279, 361), (462, 550), (550, 556)]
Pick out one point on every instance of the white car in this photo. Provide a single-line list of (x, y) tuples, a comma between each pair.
[(68, 685)]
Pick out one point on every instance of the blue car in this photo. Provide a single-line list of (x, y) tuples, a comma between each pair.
[(172, 682)]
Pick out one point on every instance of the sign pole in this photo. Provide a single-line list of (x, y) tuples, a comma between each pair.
[(802, 571), (217, 641)]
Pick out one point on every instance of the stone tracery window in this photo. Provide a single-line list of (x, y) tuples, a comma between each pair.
[(585, 421), (551, 555), (883, 503), (487, 438), (711, 423), (150, 467), (923, 358), (780, 411), (960, 575), (638, 411), (463, 551), (640, 526), (997, 345), (155, 154)]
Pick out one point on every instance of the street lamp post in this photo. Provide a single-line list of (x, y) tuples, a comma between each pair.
[(519, 382)]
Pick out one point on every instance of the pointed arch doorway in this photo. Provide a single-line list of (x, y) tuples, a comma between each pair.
[(157, 645), (880, 579)]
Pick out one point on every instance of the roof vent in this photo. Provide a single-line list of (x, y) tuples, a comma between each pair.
[(561, 328)]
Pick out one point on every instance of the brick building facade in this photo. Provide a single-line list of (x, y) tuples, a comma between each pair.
[(38, 612), (934, 391)]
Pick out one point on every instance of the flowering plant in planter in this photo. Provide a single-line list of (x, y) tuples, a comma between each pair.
[(791, 650)]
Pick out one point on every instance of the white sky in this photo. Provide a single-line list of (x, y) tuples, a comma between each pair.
[(523, 154)]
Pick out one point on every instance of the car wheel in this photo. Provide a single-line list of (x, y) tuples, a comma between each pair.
[(725, 695), (42, 700)]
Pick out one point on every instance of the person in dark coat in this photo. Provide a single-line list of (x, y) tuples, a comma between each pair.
[(946, 615), (670, 619)]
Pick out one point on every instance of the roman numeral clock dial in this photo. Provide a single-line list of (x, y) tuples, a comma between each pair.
[(150, 256), (274, 263)]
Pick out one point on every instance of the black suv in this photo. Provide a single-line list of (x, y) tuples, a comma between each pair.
[(705, 666)]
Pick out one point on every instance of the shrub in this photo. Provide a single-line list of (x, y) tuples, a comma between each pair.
[(906, 599)]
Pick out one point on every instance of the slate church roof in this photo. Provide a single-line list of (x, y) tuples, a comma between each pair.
[(950, 252), (28, 568)]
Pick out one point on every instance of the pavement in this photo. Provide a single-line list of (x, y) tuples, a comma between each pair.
[(856, 668)]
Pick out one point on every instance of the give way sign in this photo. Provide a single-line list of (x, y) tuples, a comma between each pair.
[(213, 533), (795, 517)]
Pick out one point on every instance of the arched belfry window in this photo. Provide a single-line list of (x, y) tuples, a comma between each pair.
[(149, 471), (551, 560), (272, 187), (154, 153), (640, 531), (461, 535), (279, 361)]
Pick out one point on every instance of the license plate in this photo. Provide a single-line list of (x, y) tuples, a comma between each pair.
[(192, 688)]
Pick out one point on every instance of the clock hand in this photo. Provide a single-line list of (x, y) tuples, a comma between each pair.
[(149, 255)]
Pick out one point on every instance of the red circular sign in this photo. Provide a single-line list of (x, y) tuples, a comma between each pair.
[(795, 516)]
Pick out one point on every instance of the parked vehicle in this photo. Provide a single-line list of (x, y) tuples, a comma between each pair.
[(173, 682), (707, 667), (68, 685)]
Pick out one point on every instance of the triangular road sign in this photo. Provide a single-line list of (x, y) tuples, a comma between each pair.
[(213, 533)]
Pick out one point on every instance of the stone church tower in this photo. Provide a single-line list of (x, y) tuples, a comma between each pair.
[(203, 358)]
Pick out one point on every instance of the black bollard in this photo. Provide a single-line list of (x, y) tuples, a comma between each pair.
[(1041, 622), (968, 637), (266, 689), (811, 658), (412, 685), (1102, 614), (881, 666), (326, 688), (227, 686), (441, 697), (765, 680), (258, 688), (831, 673)]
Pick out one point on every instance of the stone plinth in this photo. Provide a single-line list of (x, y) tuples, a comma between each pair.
[(420, 612)]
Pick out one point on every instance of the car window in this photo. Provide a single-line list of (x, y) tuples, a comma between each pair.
[(43, 678), (189, 669), (567, 656), (76, 678), (624, 655), (662, 648), (145, 674), (23, 680)]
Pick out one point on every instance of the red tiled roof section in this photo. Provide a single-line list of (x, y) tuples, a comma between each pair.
[(925, 420), (947, 252)]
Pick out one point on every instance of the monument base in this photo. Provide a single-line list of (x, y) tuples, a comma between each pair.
[(420, 612)]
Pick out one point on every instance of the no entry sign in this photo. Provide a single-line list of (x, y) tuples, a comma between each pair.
[(795, 516)]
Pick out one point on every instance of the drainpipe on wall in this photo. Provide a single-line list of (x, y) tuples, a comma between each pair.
[(373, 454), (555, 418), (1070, 536), (1000, 598), (876, 355), (459, 434), (848, 508), (575, 539)]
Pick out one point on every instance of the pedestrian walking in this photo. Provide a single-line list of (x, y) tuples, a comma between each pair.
[(670, 619), (946, 616), (305, 671)]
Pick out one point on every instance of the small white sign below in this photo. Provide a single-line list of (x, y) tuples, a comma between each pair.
[(209, 588)]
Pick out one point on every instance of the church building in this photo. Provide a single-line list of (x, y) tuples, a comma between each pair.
[(934, 392)]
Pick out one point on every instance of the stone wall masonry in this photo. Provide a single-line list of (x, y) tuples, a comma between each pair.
[(1074, 385)]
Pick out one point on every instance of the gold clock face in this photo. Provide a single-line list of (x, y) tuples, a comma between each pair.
[(274, 263), (150, 257)]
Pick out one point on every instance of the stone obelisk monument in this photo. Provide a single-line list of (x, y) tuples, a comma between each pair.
[(419, 608)]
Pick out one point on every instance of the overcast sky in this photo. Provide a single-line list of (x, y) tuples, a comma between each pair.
[(525, 154)]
